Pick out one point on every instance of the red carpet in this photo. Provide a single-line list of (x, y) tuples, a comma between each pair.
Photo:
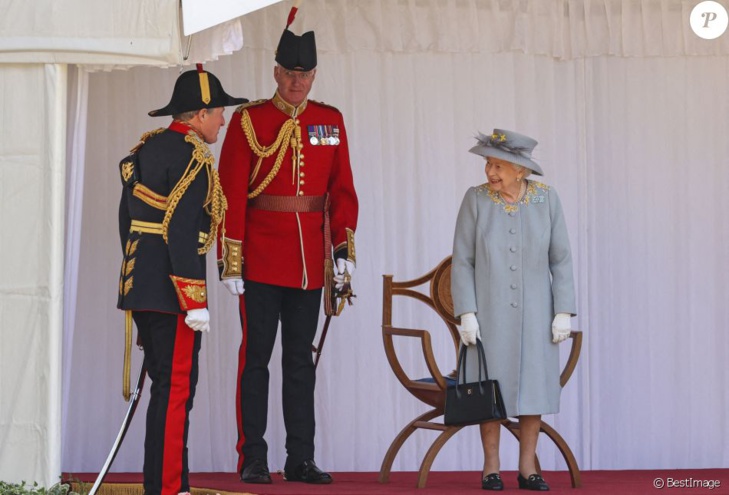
[(678, 482)]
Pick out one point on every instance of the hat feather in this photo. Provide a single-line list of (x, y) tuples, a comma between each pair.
[(292, 13)]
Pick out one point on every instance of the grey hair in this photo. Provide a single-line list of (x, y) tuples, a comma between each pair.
[(519, 168), (185, 116)]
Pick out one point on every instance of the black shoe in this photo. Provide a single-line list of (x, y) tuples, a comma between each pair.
[(308, 473), (534, 482), (492, 482), (256, 472)]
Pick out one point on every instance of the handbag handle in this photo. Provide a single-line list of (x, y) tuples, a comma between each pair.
[(461, 368)]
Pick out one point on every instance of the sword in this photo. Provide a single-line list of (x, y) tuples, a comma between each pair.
[(345, 295), (122, 431), (317, 349)]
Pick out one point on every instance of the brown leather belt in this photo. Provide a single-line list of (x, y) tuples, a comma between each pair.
[(288, 204)]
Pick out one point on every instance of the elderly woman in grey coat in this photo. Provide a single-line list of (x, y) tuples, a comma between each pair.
[(512, 287)]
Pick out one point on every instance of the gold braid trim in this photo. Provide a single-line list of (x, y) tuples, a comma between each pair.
[(281, 144), (215, 206), (215, 202)]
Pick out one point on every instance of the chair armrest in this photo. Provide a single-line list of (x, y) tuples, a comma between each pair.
[(387, 334), (569, 367)]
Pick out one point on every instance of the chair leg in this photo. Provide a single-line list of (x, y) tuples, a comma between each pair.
[(398, 442), (433, 452), (566, 453)]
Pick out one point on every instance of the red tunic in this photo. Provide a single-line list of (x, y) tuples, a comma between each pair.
[(286, 248)]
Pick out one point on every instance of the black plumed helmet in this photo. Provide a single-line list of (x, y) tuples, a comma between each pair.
[(296, 52)]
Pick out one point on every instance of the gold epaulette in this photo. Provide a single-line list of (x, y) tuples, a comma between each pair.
[(250, 104), (144, 138), (325, 105)]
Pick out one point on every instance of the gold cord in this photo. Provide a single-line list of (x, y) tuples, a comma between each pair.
[(215, 202), (281, 144)]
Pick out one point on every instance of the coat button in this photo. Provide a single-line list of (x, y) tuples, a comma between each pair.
[(512, 249), (514, 305), (301, 193), (301, 182), (513, 286), (512, 231), (511, 213), (512, 268)]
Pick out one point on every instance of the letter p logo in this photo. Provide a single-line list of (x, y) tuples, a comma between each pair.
[(709, 20)]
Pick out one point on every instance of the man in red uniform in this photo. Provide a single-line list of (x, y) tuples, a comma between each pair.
[(170, 209), (289, 230)]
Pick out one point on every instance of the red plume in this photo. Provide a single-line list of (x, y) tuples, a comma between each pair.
[(199, 68), (292, 13)]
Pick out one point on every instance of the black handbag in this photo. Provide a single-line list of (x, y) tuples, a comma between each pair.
[(476, 402)]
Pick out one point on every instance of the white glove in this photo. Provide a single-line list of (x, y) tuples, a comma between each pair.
[(234, 285), (198, 320), (561, 327), (469, 329), (343, 266)]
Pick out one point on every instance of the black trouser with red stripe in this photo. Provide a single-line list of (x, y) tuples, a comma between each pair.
[(261, 307), (171, 351)]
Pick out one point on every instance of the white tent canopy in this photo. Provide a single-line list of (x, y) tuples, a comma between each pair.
[(120, 33), (198, 14)]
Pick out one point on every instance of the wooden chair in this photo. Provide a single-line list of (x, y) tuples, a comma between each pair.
[(432, 390)]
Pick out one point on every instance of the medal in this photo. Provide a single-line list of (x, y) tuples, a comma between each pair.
[(313, 139), (323, 135)]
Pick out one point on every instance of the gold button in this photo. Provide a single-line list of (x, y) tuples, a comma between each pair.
[(301, 193), (297, 121), (302, 156), (301, 174), (301, 182)]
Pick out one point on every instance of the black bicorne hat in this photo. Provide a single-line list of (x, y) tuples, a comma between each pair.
[(194, 90), (296, 52)]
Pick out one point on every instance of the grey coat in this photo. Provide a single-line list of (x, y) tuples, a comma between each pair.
[(512, 266)]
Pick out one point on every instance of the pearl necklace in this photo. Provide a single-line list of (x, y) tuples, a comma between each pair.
[(519, 197)]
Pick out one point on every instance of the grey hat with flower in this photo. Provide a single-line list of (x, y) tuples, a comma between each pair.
[(510, 146)]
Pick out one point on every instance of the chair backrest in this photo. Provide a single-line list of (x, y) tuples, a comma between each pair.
[(438, 298)]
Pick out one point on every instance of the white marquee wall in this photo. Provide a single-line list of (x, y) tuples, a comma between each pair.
[(32, 174)]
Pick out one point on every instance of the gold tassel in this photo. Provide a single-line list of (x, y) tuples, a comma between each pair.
[(126, 386)]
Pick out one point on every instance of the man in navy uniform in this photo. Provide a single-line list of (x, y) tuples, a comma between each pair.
[(288, 233), (171, 206)]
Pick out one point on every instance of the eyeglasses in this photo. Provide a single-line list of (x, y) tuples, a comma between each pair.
[(297, 74)]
